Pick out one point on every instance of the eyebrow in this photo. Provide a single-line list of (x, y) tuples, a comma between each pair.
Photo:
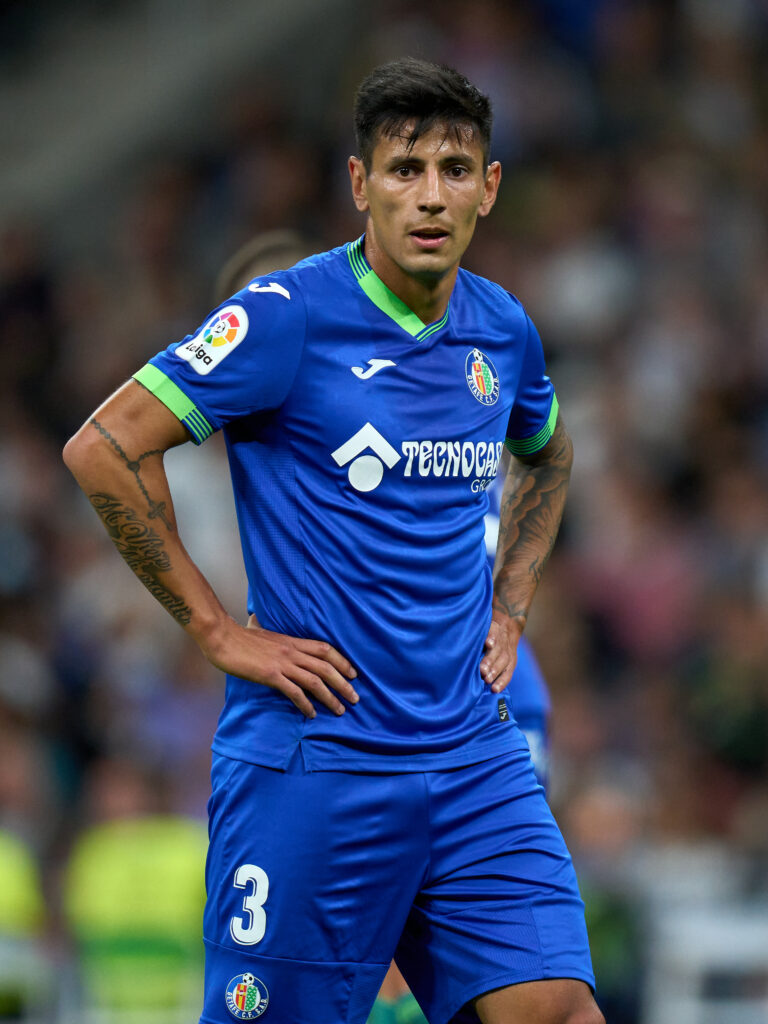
[(447, 158)]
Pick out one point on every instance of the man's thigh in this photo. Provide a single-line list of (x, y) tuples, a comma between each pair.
[(310, 877), (543, 1002), (501, 904)]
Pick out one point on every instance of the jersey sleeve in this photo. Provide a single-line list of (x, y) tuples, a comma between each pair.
[(241, 360), (534, 413)]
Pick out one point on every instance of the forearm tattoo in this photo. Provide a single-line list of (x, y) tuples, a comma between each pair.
[(531, 509), (142, 549), (156, 508)]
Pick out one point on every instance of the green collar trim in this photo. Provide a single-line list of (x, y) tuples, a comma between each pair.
[(386, 300)]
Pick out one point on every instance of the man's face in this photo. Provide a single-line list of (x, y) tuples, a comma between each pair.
[(423, 201)]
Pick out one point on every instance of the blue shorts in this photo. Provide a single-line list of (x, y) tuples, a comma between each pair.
[(316, 879)]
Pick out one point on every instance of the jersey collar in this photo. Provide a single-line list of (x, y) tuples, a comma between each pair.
[(385, 299)]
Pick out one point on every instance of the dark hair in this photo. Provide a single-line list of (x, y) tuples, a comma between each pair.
[(416, 90), (272, 250)]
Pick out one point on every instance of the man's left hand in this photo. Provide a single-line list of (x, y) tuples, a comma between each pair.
[(500, 659)]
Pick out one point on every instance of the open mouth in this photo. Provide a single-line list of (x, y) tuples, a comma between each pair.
[(429, 238), (429, 233)]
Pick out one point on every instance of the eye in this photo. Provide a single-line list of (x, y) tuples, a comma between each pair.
[(457, 171), (404, 171)]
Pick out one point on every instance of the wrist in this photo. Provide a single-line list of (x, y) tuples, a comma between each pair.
[(512, 618), (210, 629)]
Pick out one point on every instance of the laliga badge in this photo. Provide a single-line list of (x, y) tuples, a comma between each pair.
[(215, 340)]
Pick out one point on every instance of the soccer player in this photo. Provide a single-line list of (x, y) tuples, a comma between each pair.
[(372, 793), (528, 695)]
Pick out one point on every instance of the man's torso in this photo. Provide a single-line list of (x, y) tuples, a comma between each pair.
[(361, 497)]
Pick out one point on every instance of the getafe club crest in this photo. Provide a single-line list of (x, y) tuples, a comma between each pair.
[(482, 378), (247, 997)]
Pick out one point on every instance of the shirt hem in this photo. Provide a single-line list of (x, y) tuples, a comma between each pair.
[(360, 761)]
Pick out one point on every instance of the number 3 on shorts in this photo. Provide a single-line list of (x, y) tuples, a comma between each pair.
[(248, 931)]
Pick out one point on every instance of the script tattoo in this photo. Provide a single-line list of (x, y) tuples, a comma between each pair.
[(531, 509), (142, 549), (156, 508)]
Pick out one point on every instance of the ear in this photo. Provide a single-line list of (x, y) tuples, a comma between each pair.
[(358, 178), (491, 188)]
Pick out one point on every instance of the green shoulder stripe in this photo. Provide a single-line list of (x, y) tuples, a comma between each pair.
[(173, 398), (531, 445)]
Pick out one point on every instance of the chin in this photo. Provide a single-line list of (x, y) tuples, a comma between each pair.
[(430, 265)]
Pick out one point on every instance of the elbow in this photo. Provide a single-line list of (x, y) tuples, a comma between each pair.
[(69, 453), (79, 451), (72, 453)]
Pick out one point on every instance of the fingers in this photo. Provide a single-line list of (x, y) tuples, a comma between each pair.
[(299, 684), (317, 670), (328, 675), (314, 686), (493, 670), (318, 649), (296, 695), (496, 655), (498, 664), (504, 678), (327, 652), (304, 670)]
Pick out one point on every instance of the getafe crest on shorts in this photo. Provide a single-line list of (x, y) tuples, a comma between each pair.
[(216, 339), (247, 997), (482, 378)]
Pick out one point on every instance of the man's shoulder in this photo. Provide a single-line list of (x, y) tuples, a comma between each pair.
[(318, 269), (317, 275), (488, 296)]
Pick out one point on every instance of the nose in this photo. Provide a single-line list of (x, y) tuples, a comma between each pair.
[(431, 199)]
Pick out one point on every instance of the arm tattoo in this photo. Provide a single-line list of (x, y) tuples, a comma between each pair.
[(142, 549), (531, 510), (156, 508)]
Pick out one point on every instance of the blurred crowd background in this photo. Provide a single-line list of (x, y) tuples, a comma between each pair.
[(631, 223)]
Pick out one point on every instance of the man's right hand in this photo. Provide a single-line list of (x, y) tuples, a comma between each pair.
[(296, 667)]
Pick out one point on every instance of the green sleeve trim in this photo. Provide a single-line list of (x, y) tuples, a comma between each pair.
[(173, 398), (531, 445)]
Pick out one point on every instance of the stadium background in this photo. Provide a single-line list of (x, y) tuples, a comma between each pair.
[(142, 143)]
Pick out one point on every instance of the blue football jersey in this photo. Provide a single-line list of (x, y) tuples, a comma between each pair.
[(361, 443)]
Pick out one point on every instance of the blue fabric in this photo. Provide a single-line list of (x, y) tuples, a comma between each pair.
[(535, 727), (462, 874), (360, 499)]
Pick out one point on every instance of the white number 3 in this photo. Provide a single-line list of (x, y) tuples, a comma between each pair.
[(248, 931)]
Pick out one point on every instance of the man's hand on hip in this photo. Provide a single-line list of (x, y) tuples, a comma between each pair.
[(298, 668), (500, 658)]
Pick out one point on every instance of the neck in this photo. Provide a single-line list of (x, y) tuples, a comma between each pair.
[(426, 295)]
